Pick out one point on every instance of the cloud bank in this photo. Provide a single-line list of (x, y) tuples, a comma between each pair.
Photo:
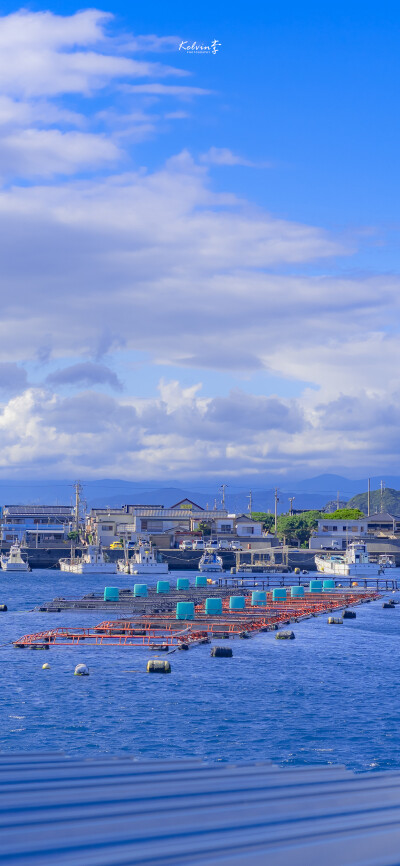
[(103, 257)]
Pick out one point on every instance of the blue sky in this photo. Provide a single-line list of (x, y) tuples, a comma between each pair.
[(200, 253)]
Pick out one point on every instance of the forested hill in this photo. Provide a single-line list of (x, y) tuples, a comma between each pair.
[(390, 501)]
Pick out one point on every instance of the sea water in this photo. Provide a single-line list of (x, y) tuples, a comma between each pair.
[(330, 696)]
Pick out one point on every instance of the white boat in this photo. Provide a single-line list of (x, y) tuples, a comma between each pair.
[(354, 562), (91, 562), (14, 561), (210, 562), (386, 560), (144, 561)]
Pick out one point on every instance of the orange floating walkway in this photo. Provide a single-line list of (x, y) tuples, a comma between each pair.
[(164, 631)]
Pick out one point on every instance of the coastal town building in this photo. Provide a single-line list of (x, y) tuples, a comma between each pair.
[(169, 525), (336, 534), (36, 525)]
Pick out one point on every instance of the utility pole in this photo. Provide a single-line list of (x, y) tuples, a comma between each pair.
[(223, 487), (250, 498), (369, 498), (337, 501), (78, 491), (291, 498), (382, 489), (276, 508)]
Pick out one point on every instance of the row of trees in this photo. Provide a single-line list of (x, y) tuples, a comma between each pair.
[(297, 528)]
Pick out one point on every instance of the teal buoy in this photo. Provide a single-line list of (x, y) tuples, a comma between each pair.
[(258, 598), (140, 590), (279, 594), (328, 585), (163, 586), (182, 583), (315, 585), (201, 580), (185, 610), (213, 606), (111, 593), (237, 602)]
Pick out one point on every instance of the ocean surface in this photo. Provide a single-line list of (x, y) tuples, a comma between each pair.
[(330, 696)]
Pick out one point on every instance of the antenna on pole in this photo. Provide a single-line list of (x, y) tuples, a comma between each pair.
[(223, 487), (276, 508), (291, 498), (78, 491)]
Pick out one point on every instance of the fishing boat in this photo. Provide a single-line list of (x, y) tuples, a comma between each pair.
[(210, 561), (144, 561), (91, 562), (355, 562), (14, 561)]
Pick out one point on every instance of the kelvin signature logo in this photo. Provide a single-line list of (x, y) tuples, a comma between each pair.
[(199, 48)]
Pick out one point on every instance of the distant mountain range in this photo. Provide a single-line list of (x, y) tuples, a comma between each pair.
[(308, 493)]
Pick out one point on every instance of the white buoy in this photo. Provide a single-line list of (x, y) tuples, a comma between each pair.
[(81, 671), (46, 667)]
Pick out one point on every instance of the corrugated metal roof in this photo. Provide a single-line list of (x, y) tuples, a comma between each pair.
[(38, 509), (179, 513), (118, 812)]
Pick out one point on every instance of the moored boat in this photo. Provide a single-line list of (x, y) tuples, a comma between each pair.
[(14, 560), (144, 561), (210, 562), (91, 562), (354, 562)]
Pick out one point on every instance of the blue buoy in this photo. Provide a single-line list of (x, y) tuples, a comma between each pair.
[(140, 590), (297, 592), (328, 585)]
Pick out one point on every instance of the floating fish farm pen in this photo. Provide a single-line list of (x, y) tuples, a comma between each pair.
[(193, 623)]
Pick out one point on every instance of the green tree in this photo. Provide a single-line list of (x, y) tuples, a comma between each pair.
[(297, 528), (73, 536), (344, 514), (267, 520), (205, 527)]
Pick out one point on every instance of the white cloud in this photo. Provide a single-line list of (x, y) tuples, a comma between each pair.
[(44, 57), (16, 113), (185, 92), (41, 54), (45, 152), (183, 433), (150, 256), (224, 156)]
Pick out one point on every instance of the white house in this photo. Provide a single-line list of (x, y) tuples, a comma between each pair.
[(337, 534)]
